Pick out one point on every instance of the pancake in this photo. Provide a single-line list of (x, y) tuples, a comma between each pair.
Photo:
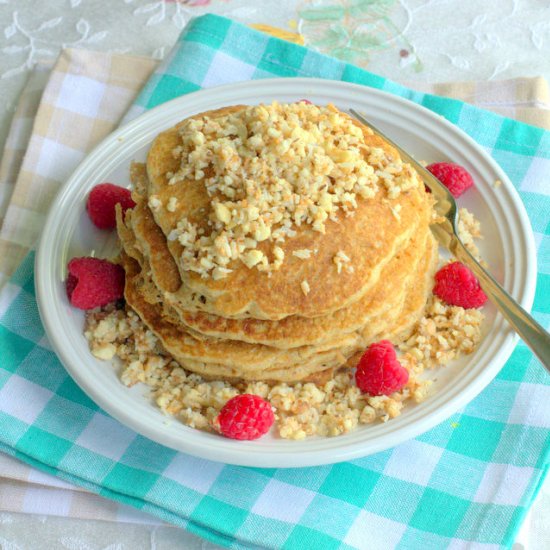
[(369, 238), (226, 357), (293, 331), (380, 317), (262, 362), (250, 362), (321, 294)]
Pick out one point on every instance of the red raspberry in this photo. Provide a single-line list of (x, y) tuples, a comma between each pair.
[(93, 282), (379, 372), (306, 101), (453, 176), (245, 416), (456, 285), (101, 204)]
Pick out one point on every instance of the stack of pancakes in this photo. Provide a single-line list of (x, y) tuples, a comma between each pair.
[(255, 325)]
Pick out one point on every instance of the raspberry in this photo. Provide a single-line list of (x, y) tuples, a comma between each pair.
[(101, 204), (306, 101), (93, 282), (379, 372), (456, 285), (245, 416), (453, 176)]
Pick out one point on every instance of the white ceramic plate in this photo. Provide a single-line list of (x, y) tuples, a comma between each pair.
[(508, 247)]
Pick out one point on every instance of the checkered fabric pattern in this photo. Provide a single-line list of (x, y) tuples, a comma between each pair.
[(60, 125), (525, 99), (465, 484), (20, 132)]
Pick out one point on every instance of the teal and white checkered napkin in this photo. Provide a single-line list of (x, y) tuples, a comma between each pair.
[(465, 484)]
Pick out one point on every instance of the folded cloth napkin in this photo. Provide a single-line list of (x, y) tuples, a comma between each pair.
[(466, 483), (525, 99)]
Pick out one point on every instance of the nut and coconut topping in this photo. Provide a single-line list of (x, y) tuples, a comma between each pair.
[(154, 202), (342, 261), (269, 169), (469, 229), (172, 204), (303, 253)]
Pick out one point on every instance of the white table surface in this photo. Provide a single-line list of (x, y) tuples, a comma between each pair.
[(417, 41)]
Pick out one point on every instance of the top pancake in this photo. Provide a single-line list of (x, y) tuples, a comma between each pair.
[(377, 229)]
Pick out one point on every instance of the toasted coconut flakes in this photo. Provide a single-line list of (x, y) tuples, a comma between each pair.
[(303, 254), (172, 204), (154, 202), (342, 261), (469, 229), (275, 167)]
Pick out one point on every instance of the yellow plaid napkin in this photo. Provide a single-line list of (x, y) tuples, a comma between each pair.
[(57, 131)]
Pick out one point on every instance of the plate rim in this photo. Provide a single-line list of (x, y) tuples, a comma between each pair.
[(245, 454)]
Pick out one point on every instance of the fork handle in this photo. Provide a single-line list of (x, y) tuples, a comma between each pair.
[(531, 332)]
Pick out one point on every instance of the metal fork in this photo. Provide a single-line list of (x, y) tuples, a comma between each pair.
[(528, 329)]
